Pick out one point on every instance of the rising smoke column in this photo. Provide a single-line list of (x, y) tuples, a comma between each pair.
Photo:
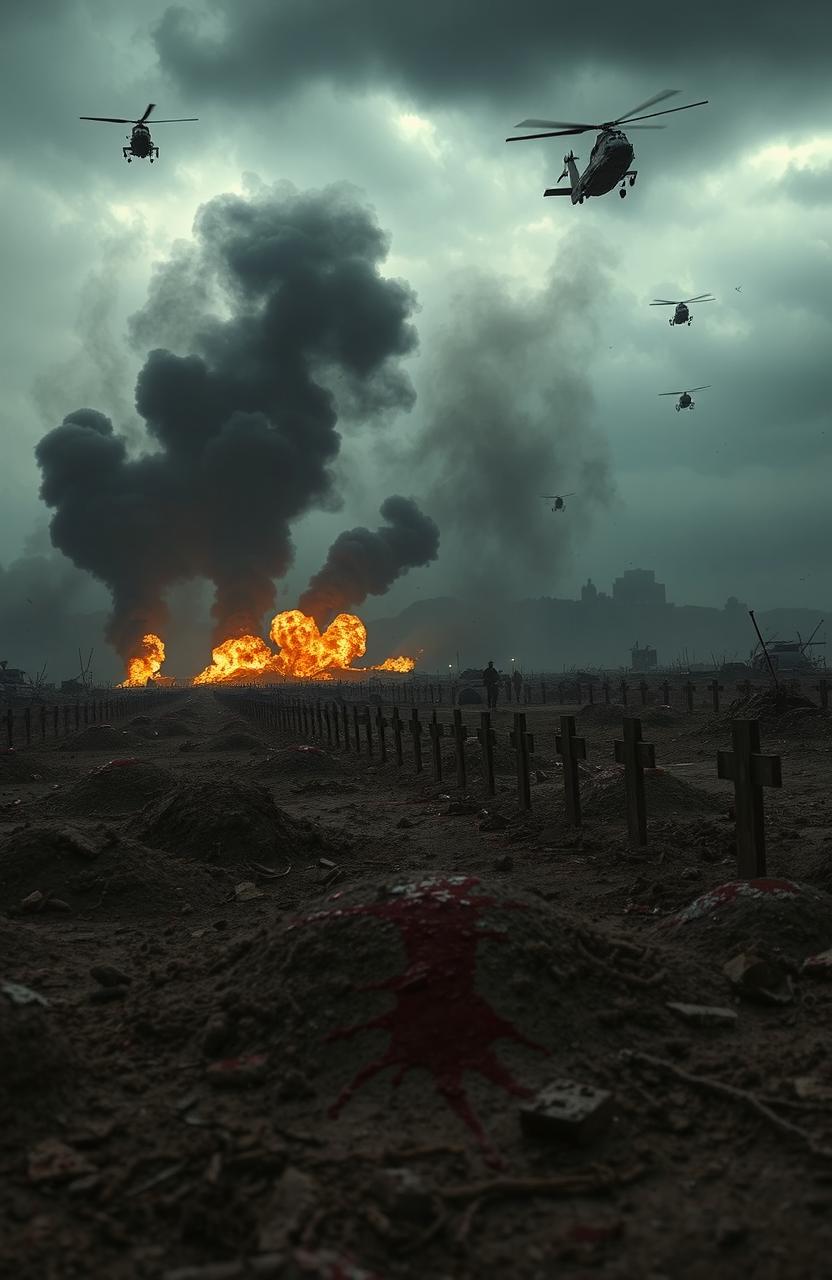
[(361, 563), (244, 426)]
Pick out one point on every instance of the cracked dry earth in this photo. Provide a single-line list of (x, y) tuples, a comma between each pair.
[(278, 1012)]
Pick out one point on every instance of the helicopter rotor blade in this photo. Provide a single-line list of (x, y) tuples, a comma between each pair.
[(663, 302), (150, 107), (559, 133), (704, 297), (651, 102), (672, 393), (705, 388), (645, 126), (108, 119), (668, 112), (179, 120), (555, 124)]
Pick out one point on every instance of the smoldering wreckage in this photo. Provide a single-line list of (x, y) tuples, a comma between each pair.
[(269, 1007)]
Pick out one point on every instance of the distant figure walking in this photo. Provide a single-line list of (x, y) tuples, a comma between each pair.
[(491, 680), (517, 681)]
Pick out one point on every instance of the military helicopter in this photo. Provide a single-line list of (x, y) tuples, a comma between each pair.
[(141, 143), (682, 315), (612, 154), (685, 401), (559, 504)]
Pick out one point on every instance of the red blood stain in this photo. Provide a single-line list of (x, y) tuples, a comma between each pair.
[(439, 1023)]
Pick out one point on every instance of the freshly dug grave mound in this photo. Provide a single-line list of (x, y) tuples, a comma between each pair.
[(102, 737), (666, 796), (406, 1002), (602, 714), (119, 786), (234, 741), (227, 823), (661, 715), (300, 759), (22, 766), (778, 915), (505, 760), (174, 727), (97, 870)]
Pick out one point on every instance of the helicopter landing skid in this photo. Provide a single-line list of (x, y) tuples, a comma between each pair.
[(128, 153), (632, 174)]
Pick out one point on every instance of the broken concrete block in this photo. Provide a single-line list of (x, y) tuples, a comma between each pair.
[(759, 979), (703, 1015), (568, 1109)]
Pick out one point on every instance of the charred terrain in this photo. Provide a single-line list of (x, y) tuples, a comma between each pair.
[(268, 1008)]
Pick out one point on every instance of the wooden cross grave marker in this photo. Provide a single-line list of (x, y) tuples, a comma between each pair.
[(716, 689), (666, 692), (485, 736), (644, 689), (368, 728), (822, 688), (523, 744), (460, 734), (381, 725), (416, 734), (636, 756), (572, 749), (750, 772), (436, 730), (395, 721), (690, 689), (346, 722)]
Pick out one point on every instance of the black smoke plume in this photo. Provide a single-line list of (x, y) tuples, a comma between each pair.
[(361, 563), (244, 427)]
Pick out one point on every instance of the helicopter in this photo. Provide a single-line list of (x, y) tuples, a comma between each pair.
[(612, 154), (685, 401), (559, 504), (141, 144), (682, 314)]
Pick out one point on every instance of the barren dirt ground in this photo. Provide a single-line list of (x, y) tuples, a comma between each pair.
[(277, 1011)]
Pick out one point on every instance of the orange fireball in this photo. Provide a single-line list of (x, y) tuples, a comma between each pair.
[(147, 665)]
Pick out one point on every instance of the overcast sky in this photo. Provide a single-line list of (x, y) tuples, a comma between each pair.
[(539, 360)]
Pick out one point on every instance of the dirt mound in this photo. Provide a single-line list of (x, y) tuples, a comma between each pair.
[(602, 714), (101, 737), (666, 796), (299, 759), (662, 716), (119, 786), (226, 822), (95, 870), (174, 727), (779, 915), (21, 766), (449, 986), (505, 761), (237, 742)]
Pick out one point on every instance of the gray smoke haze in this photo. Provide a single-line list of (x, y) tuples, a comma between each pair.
[(508, 408), (244, 427), (361, 563)]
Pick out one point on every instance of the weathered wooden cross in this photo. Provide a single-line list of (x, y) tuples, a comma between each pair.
[(572, 749), (623, 688), (460, 734), (690, 689), (822, 687), (606, 687), (716, 689), (750, 772), (395, 721), (436, 731), (368, 728), (356, 725), (666, 692), (346, 723), (636, 756), (381, 725), (416, 734), (644, 689), (523, 744), (485, 735)]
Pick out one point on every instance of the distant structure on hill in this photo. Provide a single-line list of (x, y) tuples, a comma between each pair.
[(638, 587), (644, 659)]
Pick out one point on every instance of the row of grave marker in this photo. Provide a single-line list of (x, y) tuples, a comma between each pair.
[(25, 726), (340, 724)]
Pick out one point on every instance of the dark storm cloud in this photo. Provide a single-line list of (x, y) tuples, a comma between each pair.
[(262, 50), (809, 187), (45, 618), (245, 434), (509, 418), (361, 563)]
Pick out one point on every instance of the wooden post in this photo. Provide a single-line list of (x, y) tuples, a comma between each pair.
[(55, 721), (43, 722), (27, 725), (636, 756), (327, 726), (436, 731), (397, 736), (666, 692), (644, 689), (345, 720), (606, 688), (572, 750), (543, 692), (716, 689), (690, 689), (368, 728), (485, 734), (381, 725), (10, 728), (822, 688), (591, 691), (750, 772), (523, 744), (561, 698), (623, 688), (416, 734), (356, 723), (460, 735)]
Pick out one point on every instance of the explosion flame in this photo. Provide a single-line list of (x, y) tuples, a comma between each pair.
[(145, 666)]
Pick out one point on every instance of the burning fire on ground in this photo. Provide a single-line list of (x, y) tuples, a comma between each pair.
[(303, 651)]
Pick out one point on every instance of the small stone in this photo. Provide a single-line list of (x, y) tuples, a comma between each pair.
[(504, 863), (109, 976), (32, 902), (818, 966), (759, 979), (403, 1194), (703, 1015), (404, 824), (568, 1109)]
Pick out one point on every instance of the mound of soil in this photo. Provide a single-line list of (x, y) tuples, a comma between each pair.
[(666, 796), (299, 759), (427, 995), (602, 714), (119, 786), (663, 716), (226, 822), (21, 766), (101, 737), (782, 915), (98, 871), (505, 761), (174, 727), (237, 742)]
